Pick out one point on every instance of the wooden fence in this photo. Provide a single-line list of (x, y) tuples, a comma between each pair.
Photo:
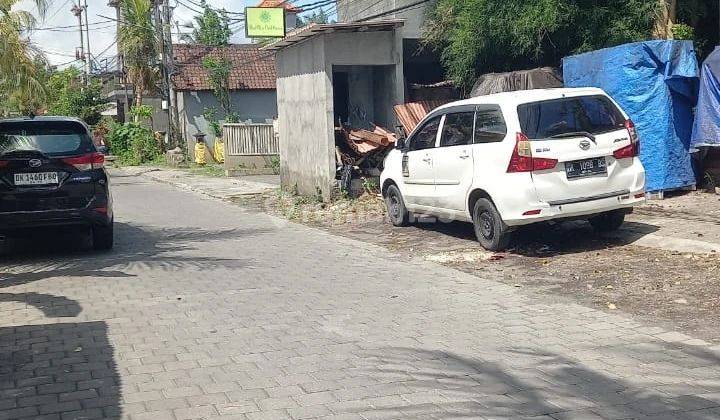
[(250, 139)]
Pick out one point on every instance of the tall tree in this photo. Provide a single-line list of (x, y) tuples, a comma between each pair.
[(211, 28), (477, 36), (139, 46), (68, 96), (18, 69)]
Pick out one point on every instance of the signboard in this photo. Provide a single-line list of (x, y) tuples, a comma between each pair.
[(264, 22)]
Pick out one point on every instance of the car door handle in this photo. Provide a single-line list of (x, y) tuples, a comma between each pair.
[(427, 160), (464, 155)]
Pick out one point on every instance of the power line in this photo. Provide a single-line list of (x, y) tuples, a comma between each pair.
[(57, 11)]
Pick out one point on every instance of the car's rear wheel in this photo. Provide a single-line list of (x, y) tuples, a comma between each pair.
[(103, 237), (492, 233), (398, 213), (609, 221)]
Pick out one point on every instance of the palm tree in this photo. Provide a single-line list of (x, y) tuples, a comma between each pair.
[(138, 45), (18, 68)]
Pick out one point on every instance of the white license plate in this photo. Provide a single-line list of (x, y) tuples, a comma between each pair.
[(38, 178)]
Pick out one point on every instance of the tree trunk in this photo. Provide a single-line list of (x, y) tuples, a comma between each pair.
[(665, 20), (138, 101)]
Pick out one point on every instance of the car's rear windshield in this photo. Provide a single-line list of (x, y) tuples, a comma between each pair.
[(52, 138), (590, 114)]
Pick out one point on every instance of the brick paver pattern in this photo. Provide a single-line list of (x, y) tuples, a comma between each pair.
[(207, 310)]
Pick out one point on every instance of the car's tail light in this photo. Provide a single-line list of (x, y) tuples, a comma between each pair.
[(633, 149), (522, 159), (87, 162), (4, 163)]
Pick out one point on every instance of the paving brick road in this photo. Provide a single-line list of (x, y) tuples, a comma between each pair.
[(207, 310)]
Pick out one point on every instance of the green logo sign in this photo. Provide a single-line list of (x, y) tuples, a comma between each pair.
[(265, 22)]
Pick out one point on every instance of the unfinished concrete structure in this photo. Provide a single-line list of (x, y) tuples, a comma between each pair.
[(349, 72)]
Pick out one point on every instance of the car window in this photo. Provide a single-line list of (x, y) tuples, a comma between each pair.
[(53, 138), (426, 136), (490, 126), (458, 129), (592, 114)]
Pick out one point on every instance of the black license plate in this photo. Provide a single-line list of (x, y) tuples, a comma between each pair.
[(587, 167)]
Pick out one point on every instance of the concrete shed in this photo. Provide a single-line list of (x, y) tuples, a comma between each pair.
[(327, 74)]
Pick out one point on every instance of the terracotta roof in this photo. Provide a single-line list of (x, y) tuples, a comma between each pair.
[(252, 69), (280, 3)]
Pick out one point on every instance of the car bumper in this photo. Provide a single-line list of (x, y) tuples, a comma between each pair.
[(50, 218), (576, 210)]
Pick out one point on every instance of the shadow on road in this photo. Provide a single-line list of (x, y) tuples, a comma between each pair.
[(36, 255), (550, 239), (447, 385), (67, 370)]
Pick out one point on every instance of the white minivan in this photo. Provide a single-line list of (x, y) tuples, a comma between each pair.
[(510, 159)]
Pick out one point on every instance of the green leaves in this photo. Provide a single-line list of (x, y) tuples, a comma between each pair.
[(67, 96), (133, 143), (481, 36), (212, 28), (219, 73)]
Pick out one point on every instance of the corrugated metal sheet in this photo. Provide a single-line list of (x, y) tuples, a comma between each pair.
[(410, 114)]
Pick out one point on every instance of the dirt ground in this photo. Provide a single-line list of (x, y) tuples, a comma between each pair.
[(567, 260)]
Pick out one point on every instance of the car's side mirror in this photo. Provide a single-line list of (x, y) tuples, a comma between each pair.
[(400, 143)]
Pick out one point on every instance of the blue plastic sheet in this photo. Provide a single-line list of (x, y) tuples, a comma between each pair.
[(656, 83), (706, 131)]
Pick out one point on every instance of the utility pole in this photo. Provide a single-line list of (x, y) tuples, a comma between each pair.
[(168, 65), (77, 11), (88, 62)]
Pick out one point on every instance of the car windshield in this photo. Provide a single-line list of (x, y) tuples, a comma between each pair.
[(61, 138), (584, 114)]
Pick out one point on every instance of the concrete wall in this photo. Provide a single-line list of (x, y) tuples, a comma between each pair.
[(258, 106), (305, 114), (305, 99), (351, 10)]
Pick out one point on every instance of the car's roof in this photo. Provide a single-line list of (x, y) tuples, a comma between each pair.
[(41, 119), (525, 96)]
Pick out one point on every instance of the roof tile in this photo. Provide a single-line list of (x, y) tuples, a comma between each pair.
[(252, 69)]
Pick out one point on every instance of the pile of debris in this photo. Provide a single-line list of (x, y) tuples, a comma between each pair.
[(360, 152), (363, 149)]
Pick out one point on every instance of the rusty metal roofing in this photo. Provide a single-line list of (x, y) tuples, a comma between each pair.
[(301, 34), (252, 69), (410, 114)]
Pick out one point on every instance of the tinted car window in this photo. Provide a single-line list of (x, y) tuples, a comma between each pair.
[(53, 138), (425, 137), (592, 114), (458, 129), (489, 126)]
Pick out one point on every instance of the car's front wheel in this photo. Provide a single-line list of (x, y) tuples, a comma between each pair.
[(492, 233), (398, 213), (609, 221), (103, 237)]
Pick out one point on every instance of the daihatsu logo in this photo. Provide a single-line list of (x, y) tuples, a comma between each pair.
[(34, 163), (585, 145)]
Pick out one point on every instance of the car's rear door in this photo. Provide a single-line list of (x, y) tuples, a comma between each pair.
[(581, 133), (42, 166)]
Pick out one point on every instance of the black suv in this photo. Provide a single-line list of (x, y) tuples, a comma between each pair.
[(51, 174)]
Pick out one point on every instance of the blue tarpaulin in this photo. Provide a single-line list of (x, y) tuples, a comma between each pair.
[(656, 83), (706, 131)]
